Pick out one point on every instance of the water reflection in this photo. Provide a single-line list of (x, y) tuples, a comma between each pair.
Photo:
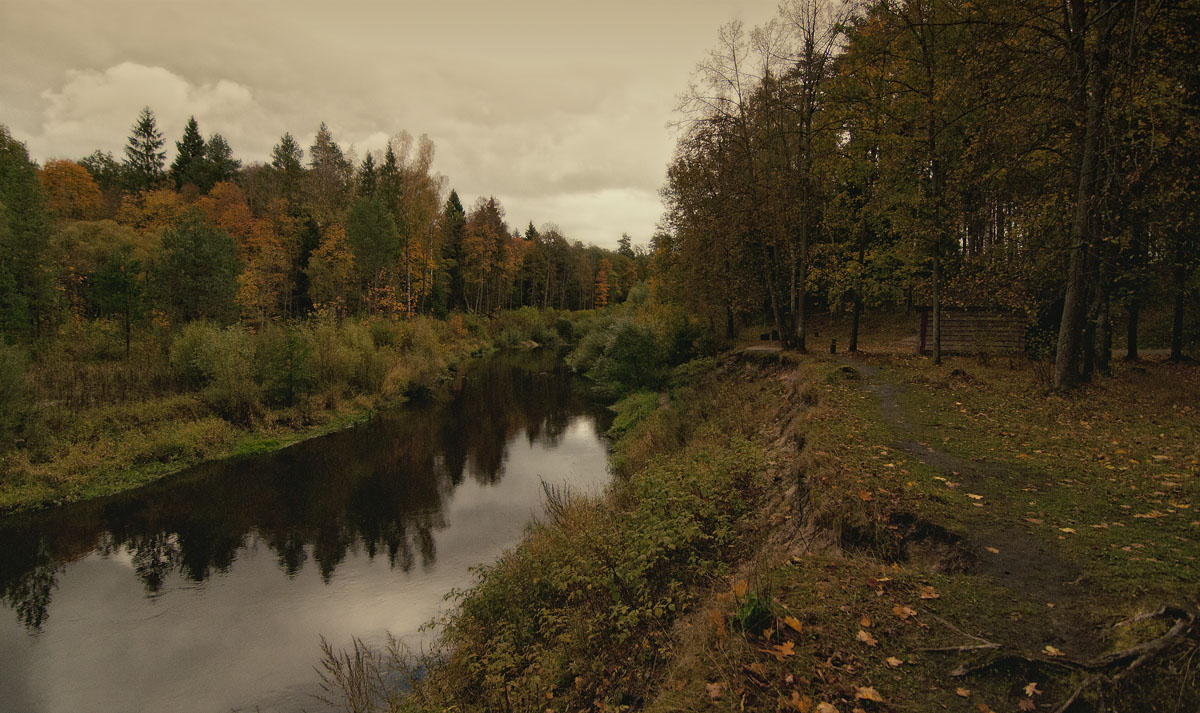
[(380, 490)]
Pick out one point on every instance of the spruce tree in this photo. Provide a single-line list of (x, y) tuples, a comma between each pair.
[(144, 157), (219, 162), (367, 177), (287, 160), (189, 164)]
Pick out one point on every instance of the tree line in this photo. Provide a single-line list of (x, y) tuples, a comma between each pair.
[(316, 231), (1026, 155)]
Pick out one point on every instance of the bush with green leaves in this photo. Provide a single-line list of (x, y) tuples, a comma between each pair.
[(284, 358)]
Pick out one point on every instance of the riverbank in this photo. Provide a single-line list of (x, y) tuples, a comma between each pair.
[(875, 533), (226, 393)]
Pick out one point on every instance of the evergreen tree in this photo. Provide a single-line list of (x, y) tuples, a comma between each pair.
[(107, 172), (144, 157), (287, 160), (198, 269), (368, 179), (189, 165), (24, 224), (390, 182), (219, 162), (454, 228), (531, 233)]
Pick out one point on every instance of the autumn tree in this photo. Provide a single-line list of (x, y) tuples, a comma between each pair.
[(71, 193), (332, 272)]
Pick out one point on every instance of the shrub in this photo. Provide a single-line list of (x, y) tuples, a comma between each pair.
[(227, 362), (285, 367), (185, 352)]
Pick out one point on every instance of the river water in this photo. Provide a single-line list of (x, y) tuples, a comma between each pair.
[(210, 590)]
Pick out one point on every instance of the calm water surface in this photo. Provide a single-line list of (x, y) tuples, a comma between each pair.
[(209, 591)]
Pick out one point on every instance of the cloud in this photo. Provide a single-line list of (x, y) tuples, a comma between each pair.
[(95, 110), (597, 217)]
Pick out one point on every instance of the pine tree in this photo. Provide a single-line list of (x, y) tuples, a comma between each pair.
[(367, 177), (189, 164), (286, 159), (144, 157), (219, 160)]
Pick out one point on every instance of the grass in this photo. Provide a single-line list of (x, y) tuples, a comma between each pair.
[(81, 439), (888, 535)]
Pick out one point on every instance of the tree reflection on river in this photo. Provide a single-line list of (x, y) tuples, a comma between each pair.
[(378, 492)]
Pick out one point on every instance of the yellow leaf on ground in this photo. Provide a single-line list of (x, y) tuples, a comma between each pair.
[(867, 693), (739, 588), (782, 651), (800, 703), (973, 496), (866, 638), (963, 692), (984, 708), (826, 708), (865, 621), (904, 612), (1066, 529), (993, 550), (1051, 651), (929, 593), (865, 495), (793, 623), (893, 661), (1026, 704), (1032, 689)]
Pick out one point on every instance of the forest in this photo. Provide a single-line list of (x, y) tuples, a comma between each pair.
[(773, 524), (1031, 157)]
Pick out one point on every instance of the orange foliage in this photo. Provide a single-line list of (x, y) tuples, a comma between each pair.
[(70, 191)]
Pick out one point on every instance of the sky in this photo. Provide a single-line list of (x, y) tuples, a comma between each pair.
[(560, 109)]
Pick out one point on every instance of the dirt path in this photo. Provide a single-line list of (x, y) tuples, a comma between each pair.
[(1001, 549)]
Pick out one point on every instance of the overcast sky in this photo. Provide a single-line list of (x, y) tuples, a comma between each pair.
[(558, 108)]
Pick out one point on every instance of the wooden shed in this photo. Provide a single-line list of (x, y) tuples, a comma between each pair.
[(975, 332)]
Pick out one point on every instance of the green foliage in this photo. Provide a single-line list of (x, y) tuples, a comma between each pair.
[(754, 614), (221, 363), (631, 410), (14, 391), (197, 273), (144, 156), (284, 361)]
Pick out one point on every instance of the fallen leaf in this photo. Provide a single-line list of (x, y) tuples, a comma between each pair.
[(893, 662), (1026, 704), (739, 588), (1034, 520), (866, 638), (1031, 689), (865, 495), (800, 703), (793, 623), (714, 689), (826, 708), (984, 708), (963, 692), (782, 651), (867, 693), (904, 612), (865, 621), (1051, 651), (973, 496), (993, 550), (929, 593), (1066, 529)]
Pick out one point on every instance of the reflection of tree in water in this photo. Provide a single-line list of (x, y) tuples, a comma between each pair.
[(382, 487), (29, 594)]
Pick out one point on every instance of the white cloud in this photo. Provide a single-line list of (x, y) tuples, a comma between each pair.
[(95, 109)]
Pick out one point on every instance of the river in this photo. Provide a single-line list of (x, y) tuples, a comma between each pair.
[(210, 590)]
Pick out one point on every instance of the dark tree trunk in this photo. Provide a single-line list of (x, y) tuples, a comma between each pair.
[(1131, 331), (1180, 276)]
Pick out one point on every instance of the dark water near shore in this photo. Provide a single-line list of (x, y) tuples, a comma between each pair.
[(208, 591)]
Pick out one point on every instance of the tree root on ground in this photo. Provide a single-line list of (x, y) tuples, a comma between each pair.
[(1111, 669)]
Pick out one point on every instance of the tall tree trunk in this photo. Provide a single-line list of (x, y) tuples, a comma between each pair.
[(1090, 60), (937, 305), (1180, 276), (1131, 331)]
